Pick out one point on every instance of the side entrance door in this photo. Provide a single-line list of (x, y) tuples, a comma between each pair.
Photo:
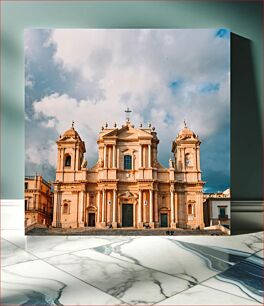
[(91, 219), (164, 220), (127, 215)]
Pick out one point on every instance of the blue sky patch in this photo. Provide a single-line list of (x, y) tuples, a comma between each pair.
[(169, 119), (209, 87), (175, 85), (222, 33)]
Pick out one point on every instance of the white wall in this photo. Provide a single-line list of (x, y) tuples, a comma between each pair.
[(215, 209)]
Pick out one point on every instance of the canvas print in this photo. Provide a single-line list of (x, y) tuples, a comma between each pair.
[(127, 131)]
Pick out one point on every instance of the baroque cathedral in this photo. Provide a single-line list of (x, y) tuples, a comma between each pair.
[(128, 187)]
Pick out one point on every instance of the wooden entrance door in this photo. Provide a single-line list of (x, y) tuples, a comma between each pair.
[(164, 220), (127, 215), (91, 219)]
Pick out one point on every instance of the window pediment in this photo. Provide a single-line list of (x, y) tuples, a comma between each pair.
[(127, 195)]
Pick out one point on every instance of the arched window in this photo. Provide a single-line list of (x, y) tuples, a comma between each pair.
[(127, 162), (188, 160), (67, 161), (66, 208)]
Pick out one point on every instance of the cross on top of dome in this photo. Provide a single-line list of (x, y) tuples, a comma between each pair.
[(128, 111)]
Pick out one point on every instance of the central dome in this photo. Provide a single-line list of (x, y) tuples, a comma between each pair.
[(186, 132), (71, 133)]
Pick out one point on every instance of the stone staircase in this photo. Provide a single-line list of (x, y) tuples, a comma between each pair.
[(37, 230)]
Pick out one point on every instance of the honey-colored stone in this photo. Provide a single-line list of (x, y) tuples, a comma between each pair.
[(145, 195), (38, 201)]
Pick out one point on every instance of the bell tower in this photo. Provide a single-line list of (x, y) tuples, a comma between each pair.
[(186, 150), (71, 151)]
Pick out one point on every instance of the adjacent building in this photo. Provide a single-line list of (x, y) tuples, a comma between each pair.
[(128, 186), (38, 201), (217, 208)]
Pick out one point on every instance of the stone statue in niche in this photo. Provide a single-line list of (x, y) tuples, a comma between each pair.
[(84, 163), (101, 162), (155, 163), (180, 164)]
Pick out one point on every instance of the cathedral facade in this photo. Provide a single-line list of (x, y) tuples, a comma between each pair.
[(128, 187)]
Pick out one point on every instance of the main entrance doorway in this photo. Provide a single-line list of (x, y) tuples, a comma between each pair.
[(91, 219), (127, 215), (163, 220)]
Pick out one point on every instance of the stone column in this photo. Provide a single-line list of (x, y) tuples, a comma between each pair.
[(73, 162), (149, 156), (103, 208), (156, 210), (117, 161), (81, 204), (114, 156), (140, 223), (176, 208), (173, 225), (144, 208), (151, 223), (77, 159), (98, 206), (144, 156), (114, 223), (183, 159), (119, 210), (183, 163), (134, 214), (77, 212), (198, 159), (58, 165), (140, 156), (55, 210), (108, 207), (178, 158), (63, 161), (105, 166), (109, 157), (84, 208), (195, 162), (198, 164), (58, 209)]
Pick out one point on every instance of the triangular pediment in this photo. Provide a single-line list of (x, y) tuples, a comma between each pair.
[(127, 195), (128, 132)]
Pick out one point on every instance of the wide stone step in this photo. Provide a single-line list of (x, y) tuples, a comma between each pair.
[(121, 232)]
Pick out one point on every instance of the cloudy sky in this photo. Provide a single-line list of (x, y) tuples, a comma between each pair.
[(163, 76)]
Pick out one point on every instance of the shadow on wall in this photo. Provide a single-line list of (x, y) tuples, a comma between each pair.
[(246, 138)]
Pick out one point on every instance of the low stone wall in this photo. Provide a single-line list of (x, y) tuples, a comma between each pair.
[(218, 227)]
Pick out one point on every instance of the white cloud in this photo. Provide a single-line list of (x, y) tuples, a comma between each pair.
[(41, 155), (134, 68)]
